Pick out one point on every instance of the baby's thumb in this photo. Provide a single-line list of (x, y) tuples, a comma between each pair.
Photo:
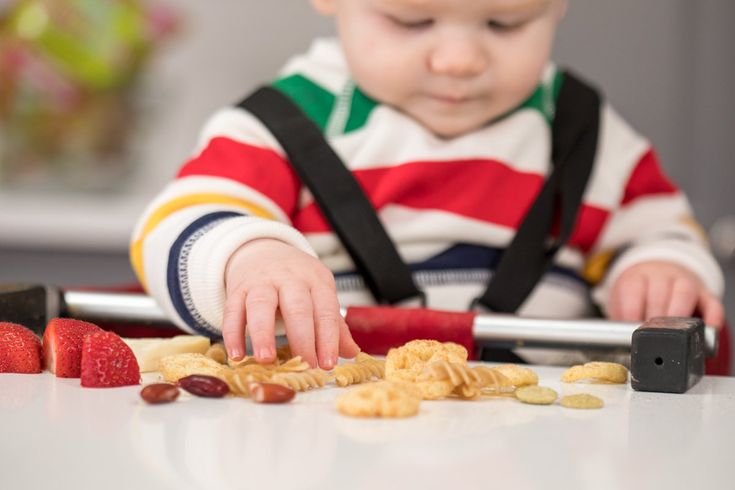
[(348, 348), (713, 313)]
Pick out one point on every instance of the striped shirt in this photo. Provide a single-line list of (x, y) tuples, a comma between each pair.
[(450, 205)]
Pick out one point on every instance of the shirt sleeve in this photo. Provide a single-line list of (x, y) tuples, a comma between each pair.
[(653, 220), (238, 186)]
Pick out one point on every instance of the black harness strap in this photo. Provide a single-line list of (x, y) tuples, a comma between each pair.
[(354, 220), (339, 196), (531, 252)]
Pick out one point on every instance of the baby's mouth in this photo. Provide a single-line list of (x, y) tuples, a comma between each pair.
[(451, 100)]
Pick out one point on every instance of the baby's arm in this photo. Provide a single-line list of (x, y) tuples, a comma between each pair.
[(656, 288), (651, 257), (265, 275), (236, 190)]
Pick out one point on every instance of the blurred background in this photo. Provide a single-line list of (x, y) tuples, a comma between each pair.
[(100, 102)]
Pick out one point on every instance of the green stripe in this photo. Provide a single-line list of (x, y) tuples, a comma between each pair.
[(316, 101), (543, 99), (362, 106)]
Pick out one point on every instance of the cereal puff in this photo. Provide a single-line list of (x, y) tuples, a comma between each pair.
[(380, 399), (408, 362)]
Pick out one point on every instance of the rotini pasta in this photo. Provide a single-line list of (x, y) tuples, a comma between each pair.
[(295, 364), (467, 382), (301, 381), (217, 352), (365, 368), (245, 361), (239, 379)]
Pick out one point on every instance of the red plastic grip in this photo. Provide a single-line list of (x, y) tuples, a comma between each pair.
[(377, 329)]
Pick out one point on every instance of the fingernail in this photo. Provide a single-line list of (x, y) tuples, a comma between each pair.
[(265, 353), (329, 363), (235, 354)]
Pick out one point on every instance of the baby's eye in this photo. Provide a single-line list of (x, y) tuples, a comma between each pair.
[(498, 26), (412, 24)]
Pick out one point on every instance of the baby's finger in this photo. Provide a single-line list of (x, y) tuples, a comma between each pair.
[(658, 294), (298, 315), (713, 313), (683, 300), (632, 298), (260, 309), (348, 348), (327, 322), (233, 326)]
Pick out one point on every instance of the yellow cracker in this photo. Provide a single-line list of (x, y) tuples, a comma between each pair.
[(517, 375), (536, 395), (582, 400), (175, 367), (380, 399), (596, 372)]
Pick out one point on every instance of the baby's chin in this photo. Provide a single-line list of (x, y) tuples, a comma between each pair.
[(451, 127), (448, 122)]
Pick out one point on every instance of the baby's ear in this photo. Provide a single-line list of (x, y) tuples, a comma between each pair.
[(325, 7)]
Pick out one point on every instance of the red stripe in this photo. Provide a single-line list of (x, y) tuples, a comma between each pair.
[(590, 222), (260, 168), (481, 189), (648, 179), (485, 190)]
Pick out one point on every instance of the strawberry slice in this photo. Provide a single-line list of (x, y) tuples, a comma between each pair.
[(62, 345), (107, 361), (20, 349)]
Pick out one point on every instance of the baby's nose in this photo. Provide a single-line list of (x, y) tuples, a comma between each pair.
[(458, 58)]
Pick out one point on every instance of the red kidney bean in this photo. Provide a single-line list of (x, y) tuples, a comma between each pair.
[(270, 393), (159, 393), (204, 385)]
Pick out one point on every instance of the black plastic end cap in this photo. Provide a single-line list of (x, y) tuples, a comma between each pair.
[(667, 355)]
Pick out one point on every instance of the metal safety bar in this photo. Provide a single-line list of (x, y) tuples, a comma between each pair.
[(500, 328)]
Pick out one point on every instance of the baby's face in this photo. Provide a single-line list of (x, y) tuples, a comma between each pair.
[(453, 65)]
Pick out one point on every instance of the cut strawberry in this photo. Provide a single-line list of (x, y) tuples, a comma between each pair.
[(62, 345), (20, 349), (107, 361)]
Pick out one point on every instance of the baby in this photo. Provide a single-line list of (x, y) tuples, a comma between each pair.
[(442, 110)]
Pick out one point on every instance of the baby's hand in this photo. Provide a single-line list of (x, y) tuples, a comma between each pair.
[(265, 275), (654, 288)]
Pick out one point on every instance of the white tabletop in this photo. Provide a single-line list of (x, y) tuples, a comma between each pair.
[(55, 434)]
